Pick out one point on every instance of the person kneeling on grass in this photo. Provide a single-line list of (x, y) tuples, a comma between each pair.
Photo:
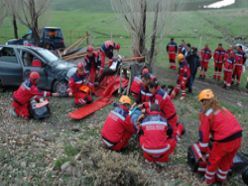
[(23, 95), (118, 128), (154, 140), (78, 86)]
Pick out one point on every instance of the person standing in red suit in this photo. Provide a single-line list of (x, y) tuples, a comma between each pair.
[(183, 77), (154, 141), (118, 128), (206, 55), (223, 128), (219, 57), (92, 64), (228, 68), (107, 50), (240, 59), (75, 86), (23, 95), (171, 49)]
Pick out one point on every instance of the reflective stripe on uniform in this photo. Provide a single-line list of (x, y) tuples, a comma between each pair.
[(154, 123), (208, 177), (79, 82), (26, 87), (165, 95), (45, 93), (221, 177), (209, 111), (203, 145), (222, 172), (107, 143), (201, 169), (210, 173), (118, 115), (156, 151), (146, 94)]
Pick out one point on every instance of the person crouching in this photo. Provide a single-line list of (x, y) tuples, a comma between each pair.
[(154, 140), (77, 82), (118, 128), (23, 95)]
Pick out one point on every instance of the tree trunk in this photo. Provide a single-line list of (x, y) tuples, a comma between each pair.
[(35, 32), (15, 26), (153, 42), (142, 44)]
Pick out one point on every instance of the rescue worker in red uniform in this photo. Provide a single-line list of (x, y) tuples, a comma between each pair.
[(76, 82), (183, 77), (93, 64), (225, 131), (23, 95), (118, 128), (228, 68), (144, 94), (219, 57), (153, 137), (206, 55), (240, 59), (171, 49), (137, 82), (168, 109), (107, 50)]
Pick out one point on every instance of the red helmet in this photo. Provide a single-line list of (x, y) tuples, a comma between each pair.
[(34, 76), (117, 46), (90, 48), (80, 66)]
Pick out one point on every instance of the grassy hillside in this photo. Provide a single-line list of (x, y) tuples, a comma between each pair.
[(85, 5)]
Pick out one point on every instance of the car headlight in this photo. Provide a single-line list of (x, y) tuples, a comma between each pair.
[(71, 72)]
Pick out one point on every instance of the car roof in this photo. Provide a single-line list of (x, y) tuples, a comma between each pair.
[(48, 27), (23, 47)]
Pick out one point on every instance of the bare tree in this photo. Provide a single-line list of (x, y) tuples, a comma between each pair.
[(30, 11), (11, 8), (145, 21), (2, 12)]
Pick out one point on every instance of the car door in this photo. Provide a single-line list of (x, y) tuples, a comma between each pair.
[(11, 72), (28, 58)]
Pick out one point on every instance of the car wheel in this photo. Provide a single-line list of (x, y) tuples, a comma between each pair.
[(245, 175), (60, 87)]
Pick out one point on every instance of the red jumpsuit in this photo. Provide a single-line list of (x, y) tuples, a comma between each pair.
[(238, 65), (93, 64), (228, 70), (106, 50), (219, 57), (171, 49), (144, 95), (226, 133), (182, 80), (75, 82), (22, 97), (167, 108), (136, 86), (153, 138), (117, 129), (206, 55)]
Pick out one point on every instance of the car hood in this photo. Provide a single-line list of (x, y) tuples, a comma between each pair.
[(59, 69), (63, 65)]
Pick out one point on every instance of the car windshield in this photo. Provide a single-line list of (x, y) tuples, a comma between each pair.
[(53, 33), (48, 55)]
